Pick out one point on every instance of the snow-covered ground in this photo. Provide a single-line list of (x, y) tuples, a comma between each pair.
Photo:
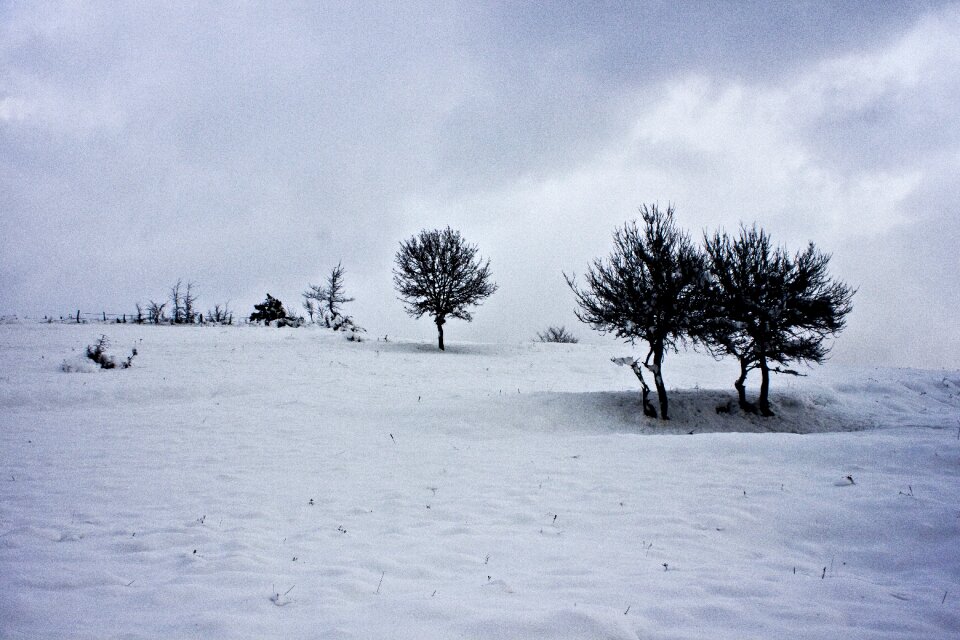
[(247, 482)]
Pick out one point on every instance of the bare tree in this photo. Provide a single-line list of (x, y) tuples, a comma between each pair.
[(439, 274), (190, 303), (176, 303), (335, 291), (309, 305), (650, 289), (155, 312), (220, 314), (327, 301), (770, 307)]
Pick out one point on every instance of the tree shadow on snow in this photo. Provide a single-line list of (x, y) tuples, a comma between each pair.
[(692, 411), (451, 349)]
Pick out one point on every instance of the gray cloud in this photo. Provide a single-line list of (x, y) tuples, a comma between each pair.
[(251, 148)]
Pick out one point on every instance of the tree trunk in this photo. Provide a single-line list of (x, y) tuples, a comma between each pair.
[(648, 408), (765, 389), (440, 322), (745, 406), (656, 369)]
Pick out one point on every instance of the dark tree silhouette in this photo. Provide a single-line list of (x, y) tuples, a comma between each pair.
[(269, 310), (770, 307), (439, 274), (220, 314), (155, 313), (651, 288), (190, 303), (176, 303)]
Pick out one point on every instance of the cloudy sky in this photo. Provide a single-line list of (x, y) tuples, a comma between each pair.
[(249, 147)]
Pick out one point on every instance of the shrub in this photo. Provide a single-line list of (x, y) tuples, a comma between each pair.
[(269, 310), (98, 353), (557, 334)]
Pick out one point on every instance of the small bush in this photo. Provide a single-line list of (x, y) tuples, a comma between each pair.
[(557, 334), (98, 353), (268, 311)]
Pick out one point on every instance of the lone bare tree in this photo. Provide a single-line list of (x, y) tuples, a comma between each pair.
[(439, 273), (176, 303), (155, 313), (651, 289), (190, 303), (326, 301), (769, 307)]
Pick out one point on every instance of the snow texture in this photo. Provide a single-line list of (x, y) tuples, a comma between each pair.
[(242, 482)]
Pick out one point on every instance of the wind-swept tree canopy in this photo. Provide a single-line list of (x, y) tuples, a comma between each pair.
[(438, 273), (651, 289), (770, 307)]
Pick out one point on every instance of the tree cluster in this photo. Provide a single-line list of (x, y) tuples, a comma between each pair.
[(182, 307), (736, 296)]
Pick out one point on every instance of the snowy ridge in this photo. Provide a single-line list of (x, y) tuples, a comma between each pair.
[(252, 482)]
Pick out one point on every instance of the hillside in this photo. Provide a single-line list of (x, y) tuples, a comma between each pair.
[(251, 482)]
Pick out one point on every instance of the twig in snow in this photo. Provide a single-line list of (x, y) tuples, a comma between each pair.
[(944, 597), (275, 598), (824, 574), (382, 573), (391, 437), (628, 610)]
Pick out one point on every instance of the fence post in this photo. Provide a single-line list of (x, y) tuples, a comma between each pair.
[(78, 316)]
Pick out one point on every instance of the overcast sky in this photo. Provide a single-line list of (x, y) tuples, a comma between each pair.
[(250, 147)]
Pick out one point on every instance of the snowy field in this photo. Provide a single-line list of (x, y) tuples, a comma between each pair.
[(285, 483)]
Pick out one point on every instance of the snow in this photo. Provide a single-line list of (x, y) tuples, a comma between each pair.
[(261, 482)]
